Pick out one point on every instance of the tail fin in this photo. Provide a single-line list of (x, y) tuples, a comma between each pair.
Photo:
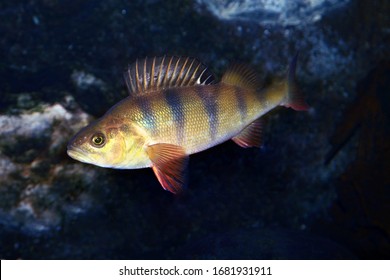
[(295, 98)]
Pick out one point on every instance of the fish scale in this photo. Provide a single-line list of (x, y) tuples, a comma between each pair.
[(188, 122)]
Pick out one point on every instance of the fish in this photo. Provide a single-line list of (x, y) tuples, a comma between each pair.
[(176, 108)]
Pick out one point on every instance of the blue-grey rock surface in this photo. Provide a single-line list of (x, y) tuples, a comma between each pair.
[(312, 191)]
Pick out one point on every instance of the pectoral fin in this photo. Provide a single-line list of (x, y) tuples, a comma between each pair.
[(251, 135), (169, 163)]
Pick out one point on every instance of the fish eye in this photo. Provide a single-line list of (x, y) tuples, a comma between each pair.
[(98, 140)]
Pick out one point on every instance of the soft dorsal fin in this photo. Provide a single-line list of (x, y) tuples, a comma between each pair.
[(242, 76), (156, 73)]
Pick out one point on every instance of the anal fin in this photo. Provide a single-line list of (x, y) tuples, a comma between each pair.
[(250, 136), (169, 163)]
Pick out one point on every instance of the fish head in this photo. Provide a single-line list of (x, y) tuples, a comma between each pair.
[(104, 143)]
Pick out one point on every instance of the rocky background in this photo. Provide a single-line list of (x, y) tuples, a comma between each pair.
[(318, 189)]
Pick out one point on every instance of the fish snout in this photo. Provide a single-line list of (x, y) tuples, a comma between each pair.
[(76, 153)]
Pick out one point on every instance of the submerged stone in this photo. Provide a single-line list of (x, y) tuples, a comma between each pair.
[(39, 186)]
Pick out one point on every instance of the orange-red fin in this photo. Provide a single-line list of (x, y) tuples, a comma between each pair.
[(250, 136), (169, 163), (295, 98)]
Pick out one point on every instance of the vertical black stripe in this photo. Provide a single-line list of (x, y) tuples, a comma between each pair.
[(241, 103), (148, 118), (174, 101), (261, 96), (209, 100)]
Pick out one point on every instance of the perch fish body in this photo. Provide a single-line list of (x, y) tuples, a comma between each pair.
[(175, 109)]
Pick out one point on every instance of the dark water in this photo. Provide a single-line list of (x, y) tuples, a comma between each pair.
[(319, 188)]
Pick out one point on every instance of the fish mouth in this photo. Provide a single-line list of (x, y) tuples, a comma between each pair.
[(77, 154)]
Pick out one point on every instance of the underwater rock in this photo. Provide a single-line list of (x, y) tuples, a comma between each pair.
[(84, 81), (363, 188), (39, 187), (88, 89), (271, 11)]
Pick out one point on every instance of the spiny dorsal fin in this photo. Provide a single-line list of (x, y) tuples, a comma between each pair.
[(151, 74), (241, 76)]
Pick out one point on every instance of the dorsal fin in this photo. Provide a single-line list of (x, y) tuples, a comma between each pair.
[(242, 76), (157, 73)]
